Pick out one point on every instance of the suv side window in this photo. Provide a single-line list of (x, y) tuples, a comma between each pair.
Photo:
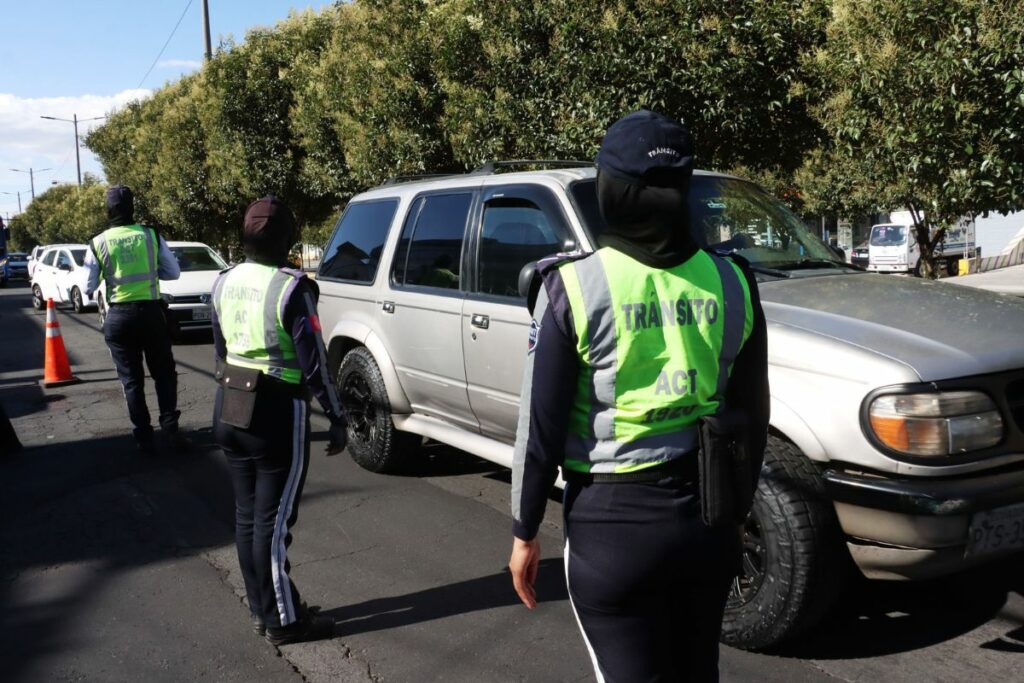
[(64, 260), (519, 225), (48, 259), (354, 250), (429, 253)]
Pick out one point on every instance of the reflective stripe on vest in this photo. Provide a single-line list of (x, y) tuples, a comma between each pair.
[(128, 257), (656, 348), (250, 300)]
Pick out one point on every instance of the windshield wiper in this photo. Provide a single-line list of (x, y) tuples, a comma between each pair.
[(812, 263), (770, 271)]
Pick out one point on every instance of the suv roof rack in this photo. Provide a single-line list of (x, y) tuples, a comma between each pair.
[(398, 179), (489, 167)]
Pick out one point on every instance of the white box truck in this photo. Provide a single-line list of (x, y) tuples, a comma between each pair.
[(893, 247)]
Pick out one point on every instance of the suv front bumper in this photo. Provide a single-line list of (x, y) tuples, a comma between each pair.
[(916, 528)]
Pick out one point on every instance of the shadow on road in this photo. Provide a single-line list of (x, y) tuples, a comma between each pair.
[(483, 593), (879, 618), (76, 517)]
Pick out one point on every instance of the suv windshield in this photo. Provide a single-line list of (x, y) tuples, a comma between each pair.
[(197, 258), (888, 235), (734, 215)]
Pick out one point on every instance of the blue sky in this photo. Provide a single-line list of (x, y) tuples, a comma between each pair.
[(85, 57)]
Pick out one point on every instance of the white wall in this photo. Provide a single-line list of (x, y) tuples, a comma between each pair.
[(995, 231)]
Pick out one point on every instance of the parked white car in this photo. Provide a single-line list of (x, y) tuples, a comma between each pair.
[(59, 274), (188, 297)]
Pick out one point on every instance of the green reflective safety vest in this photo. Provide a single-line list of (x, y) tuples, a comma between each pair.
[(128, 263), (656, 347), (250, 300)]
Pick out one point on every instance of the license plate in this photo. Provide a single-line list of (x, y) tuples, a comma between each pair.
[(200, 313), (996, 531)]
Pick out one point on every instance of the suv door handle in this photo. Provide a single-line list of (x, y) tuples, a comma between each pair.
[(389, 306), (481, 321)]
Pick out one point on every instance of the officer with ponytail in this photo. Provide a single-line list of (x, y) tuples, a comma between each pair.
[(646, 383), (270, 360)]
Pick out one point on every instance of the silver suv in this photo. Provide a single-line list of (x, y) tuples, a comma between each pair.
[(897, 430)]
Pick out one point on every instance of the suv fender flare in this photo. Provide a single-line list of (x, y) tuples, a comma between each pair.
[(349, 333), (786, 421)]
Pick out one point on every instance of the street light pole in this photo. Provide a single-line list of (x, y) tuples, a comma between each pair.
[(31, 177), (208, 54), (74, 120), (19, 202)]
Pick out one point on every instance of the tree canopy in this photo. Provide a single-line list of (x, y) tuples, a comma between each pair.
[(924, 106), (847, 105)]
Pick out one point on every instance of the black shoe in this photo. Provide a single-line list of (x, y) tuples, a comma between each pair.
[(309, 627), (258, 626), (146, 445), (178, 442)]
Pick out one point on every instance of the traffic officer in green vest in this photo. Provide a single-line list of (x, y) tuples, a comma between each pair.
[(270, 358), (131, 259), (643, 358)]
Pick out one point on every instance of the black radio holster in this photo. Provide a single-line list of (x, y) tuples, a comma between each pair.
[(239, 402), (726, 481)]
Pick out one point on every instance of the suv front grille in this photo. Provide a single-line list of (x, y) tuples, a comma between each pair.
[(1015, 400), (190, 299)]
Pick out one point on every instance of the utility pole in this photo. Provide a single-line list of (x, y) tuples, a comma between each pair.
[(208, 54), (75, 120)]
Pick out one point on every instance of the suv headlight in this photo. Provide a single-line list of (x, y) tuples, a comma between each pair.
[(938, 423), (169, 298)]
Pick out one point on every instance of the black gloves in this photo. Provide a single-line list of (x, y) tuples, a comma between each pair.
[(338, 436)]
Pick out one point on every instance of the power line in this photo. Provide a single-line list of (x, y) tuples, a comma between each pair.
[(168, 42)]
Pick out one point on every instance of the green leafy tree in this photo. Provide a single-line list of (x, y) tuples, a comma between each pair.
[(925, 108), (63, 213)]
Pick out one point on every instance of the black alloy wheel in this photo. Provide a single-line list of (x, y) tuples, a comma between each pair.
[(754, 560)]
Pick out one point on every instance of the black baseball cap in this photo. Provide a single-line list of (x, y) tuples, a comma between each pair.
[(646, 148)]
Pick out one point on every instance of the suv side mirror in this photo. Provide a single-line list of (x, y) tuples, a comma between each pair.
[(526, 275)]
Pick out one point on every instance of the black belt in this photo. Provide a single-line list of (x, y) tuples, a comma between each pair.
[(683, 467), (137, 304)]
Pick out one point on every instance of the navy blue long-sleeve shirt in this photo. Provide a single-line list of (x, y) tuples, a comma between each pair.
[(549, 389), (300, 317)]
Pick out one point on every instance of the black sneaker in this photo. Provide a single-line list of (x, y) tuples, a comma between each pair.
[(258, 626), (309, 627)]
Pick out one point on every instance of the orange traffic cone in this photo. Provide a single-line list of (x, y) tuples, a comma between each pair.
[(58, 370)]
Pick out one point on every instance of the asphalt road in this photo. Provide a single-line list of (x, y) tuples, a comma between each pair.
[(115, 567)]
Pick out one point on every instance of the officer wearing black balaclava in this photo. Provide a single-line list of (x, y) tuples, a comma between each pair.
[(131, 259), (270, 358), (646, 373)]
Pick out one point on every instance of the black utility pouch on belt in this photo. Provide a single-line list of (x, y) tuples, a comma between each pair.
[(726, 483), (239, 394)]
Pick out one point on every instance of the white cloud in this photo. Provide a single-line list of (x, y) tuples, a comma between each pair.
[(179, 64), (29, 141)]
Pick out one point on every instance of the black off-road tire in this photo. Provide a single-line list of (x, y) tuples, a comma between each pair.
[(37, 298), (373, 441), (77, 302), (795, 560)]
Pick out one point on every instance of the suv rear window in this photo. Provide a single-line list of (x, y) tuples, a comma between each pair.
[(430, 251), (354, 251)]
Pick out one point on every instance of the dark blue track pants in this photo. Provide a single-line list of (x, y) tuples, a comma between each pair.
[(647, 580), (268, 465)]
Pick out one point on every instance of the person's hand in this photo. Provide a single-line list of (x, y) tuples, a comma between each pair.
[(338, 437), (523, 564)]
